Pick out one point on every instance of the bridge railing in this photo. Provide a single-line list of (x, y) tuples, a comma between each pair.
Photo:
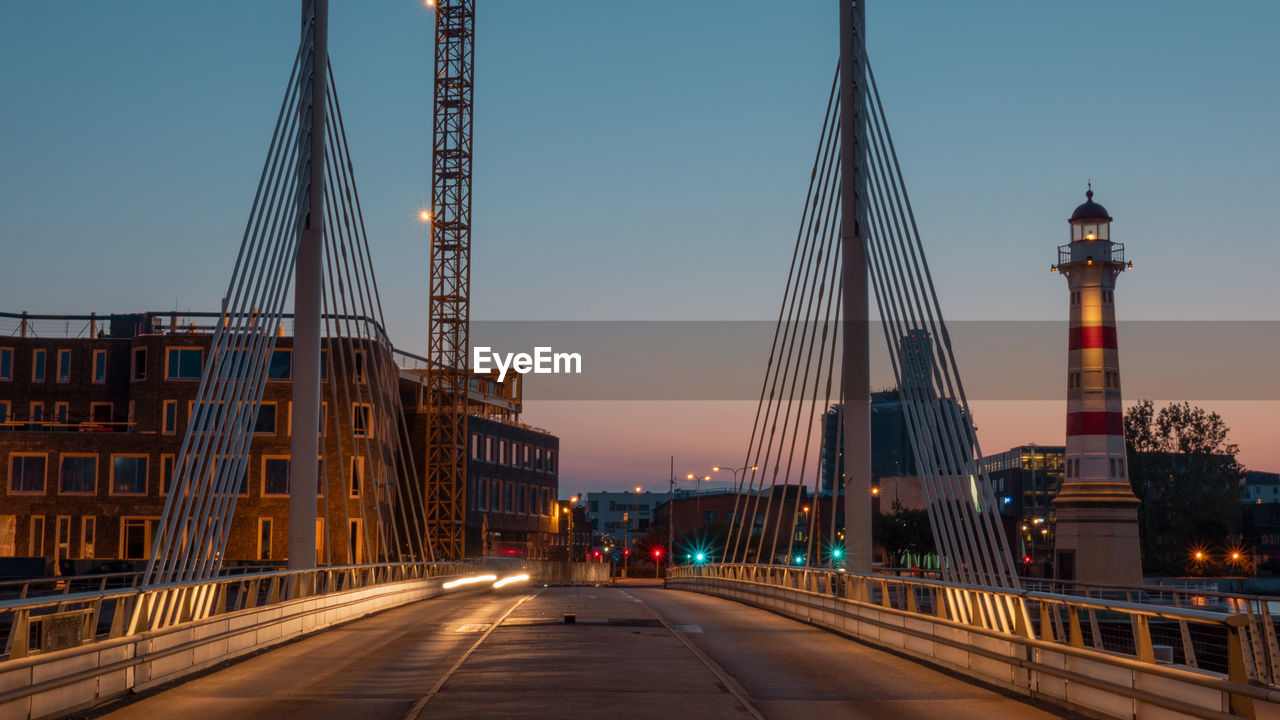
[(45, 623), (1233, 651)]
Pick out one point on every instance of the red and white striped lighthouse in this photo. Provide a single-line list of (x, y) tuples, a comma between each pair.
[(1096, 533)]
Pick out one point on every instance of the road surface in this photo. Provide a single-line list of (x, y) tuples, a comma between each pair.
[(634, 652)]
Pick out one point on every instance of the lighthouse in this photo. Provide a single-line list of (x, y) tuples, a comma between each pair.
[(1096, 535)]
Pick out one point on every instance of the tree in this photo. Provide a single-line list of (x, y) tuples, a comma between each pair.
[(902, 531), (1183, 468)]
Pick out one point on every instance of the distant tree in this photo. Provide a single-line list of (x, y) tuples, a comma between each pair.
[(902, 531), (1183, 468)]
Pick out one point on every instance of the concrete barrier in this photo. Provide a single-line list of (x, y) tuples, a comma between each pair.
[(53, 684), (560, 572), (1093, 682)]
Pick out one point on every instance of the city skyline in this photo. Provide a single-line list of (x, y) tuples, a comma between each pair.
[(581, 117)]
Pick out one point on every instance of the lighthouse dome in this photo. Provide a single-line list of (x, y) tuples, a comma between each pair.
[(1090, 210)]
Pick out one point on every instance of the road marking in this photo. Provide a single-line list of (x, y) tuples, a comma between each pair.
[(416, 710), (724, 677), (473, 627)]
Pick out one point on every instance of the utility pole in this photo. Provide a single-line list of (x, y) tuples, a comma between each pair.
[(856, 363), (304, 466)]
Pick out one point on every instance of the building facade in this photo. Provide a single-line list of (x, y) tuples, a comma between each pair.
[(91, 426)]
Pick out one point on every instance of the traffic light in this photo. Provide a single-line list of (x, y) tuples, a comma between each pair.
[(627, 552), (657, 553)]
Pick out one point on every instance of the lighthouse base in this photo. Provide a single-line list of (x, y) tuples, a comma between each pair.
[(1096, 534)]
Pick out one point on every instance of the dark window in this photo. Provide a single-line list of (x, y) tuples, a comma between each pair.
[(100, 412), (26, 473), (99, 366), (129, 475), (185, 364), (166, 472), (140, 363), (6, 363), (266, 422), (281, 366), (360, 421), (78, 475), (64, 366), (170, 416), (275, 476), (37, 366)]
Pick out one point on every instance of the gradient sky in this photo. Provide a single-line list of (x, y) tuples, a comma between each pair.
[(642, 161)]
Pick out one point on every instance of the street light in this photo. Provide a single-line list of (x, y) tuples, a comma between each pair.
[(569, 512), (626, 528), (698, 502)]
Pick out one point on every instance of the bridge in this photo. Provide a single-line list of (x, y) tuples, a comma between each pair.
[(392, 616)]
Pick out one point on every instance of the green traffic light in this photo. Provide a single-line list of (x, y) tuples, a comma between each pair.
[(837, 552)]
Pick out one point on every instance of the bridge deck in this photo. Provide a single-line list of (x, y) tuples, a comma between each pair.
[(705, 658)]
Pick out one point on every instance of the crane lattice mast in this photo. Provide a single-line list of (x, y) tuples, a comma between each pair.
[(450, 283)]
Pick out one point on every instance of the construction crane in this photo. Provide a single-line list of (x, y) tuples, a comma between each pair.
[(450, 281)]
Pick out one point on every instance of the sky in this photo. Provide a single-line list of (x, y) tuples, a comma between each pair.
[(648, 162)]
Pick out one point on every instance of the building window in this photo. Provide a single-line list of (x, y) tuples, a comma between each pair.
[(8, 535), (37, 365), (1113, 466), (100, 413), (357, 366), (78, 474), (139, 369), (61, 411), (170, 417), (88, 536), (128, 474), (354, 543), (266, 421), (361, 420), (475, 446), (281, 365), (64, 366), (6, 363), (36, 416), (357, 475), (35, 544), (1120, 467), (551, 461), (183, 363), (99, 366), (26, 473), (4, 414), (166, 473), (135, 538), (264, 538), (62, 537), (275, 476)]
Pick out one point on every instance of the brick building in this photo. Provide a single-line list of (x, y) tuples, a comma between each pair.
[(90, 427)]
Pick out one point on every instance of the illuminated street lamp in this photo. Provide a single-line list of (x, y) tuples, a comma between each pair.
[(698, 503)]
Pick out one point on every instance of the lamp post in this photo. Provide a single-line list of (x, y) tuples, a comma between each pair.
[(569, 511), (698, 501)]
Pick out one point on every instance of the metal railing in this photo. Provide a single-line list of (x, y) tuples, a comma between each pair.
[(32, 625), (1237, 639)]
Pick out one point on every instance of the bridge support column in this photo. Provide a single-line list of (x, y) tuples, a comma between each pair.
[(856, 354), (304, 466)]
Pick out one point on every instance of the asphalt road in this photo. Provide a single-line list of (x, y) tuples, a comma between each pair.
[(634, 652)]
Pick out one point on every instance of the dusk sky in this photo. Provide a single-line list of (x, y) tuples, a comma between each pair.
[(640, 161)]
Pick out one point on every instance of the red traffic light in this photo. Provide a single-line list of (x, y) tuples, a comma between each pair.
[(626, 552), (1027, 559), (657, 553)]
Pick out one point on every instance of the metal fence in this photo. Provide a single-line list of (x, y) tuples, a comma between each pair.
[(1236, 637), (32, 625)]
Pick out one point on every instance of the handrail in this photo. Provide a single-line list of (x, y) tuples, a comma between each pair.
[(118, 612), (1238, 640)]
